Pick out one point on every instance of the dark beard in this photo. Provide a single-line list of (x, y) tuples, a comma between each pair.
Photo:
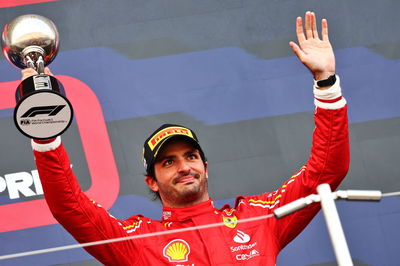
[(184, 196)]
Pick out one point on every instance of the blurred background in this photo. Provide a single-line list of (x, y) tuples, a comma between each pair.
[(223, 68)]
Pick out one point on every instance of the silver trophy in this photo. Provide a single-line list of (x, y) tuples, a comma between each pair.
[(42, 110)]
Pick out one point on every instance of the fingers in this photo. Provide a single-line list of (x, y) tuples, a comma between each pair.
[(314, 25), (48, 72), (310, 30), (27, 72), (308, 25), (296, 49), (324, 31), (299, 30)]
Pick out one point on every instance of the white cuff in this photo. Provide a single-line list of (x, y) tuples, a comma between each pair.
[(329, 94), (334, 92), (331, 106), (46, 147)]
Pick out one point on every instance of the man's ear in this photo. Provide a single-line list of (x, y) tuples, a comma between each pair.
[(206, 169), (152, 183)]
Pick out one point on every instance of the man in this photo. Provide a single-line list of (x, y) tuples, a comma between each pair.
[(177, 171)]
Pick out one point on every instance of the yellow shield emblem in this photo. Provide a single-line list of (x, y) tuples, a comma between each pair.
[(230, 222)]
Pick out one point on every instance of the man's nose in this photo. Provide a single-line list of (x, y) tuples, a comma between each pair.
[(183, 166)]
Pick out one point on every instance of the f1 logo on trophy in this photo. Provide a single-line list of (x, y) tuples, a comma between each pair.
[(42, 110)]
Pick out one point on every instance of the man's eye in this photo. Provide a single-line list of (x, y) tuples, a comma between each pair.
[(167, 162), (192, 156)]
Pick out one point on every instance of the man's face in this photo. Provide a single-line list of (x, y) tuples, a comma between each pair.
[(181, 175)]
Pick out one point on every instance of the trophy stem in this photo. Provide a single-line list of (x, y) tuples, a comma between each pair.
[(40, 65)]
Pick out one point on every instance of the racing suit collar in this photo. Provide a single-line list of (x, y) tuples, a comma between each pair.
[(182, 214)]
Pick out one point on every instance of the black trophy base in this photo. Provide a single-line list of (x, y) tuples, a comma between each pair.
[(42, 110)]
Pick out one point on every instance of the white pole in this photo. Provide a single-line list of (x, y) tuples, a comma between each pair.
[(334, 226)]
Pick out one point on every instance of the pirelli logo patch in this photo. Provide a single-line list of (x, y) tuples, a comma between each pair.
[(166, 132)]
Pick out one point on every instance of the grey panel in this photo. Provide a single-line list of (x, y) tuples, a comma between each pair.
[(255, 156), (375, 155), (245, 157), (142, 29)]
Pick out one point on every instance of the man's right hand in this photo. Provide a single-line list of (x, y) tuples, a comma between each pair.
[(28, 72)]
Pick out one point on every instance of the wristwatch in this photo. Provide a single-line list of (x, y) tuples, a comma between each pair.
[(327, 82)]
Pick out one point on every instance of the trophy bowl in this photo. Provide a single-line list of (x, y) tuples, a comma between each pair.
[(30, 34)]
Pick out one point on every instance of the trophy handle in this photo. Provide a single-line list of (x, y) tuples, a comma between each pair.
[(33, 57), (29, 62), (40, 65)]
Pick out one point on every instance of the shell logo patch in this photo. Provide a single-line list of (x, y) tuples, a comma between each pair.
[(177, 250), (230, 222)]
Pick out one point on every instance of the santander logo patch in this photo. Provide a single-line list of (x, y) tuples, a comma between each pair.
[(241, 237)]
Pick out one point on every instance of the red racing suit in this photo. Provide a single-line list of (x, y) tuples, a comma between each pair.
[(251, 243)]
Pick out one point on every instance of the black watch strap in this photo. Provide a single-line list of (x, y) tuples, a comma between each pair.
[(327, 82)]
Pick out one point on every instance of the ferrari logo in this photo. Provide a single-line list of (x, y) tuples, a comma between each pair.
[(230, 222)]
